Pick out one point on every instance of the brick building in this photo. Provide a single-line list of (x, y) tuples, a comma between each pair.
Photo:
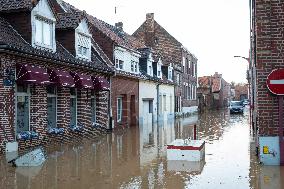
[(122, 50), (213, 91), (54, 77), (173, 55), (266, 55), (241, 91)]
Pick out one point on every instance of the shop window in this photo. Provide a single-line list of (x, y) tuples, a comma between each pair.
[(51, 107), (23, 108), (73, 106), (119, 109)]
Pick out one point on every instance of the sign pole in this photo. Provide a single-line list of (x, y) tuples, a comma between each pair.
[(281, 144)]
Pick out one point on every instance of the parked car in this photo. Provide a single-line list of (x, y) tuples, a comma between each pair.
[(245, 102), (236, 107)]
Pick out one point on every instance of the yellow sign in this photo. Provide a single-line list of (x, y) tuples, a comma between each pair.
[(265, 150)]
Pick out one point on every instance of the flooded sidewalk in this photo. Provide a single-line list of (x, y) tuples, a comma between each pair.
[(136, 158)]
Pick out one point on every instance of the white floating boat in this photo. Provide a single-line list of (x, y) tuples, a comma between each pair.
[(189, 150), (30, 159)]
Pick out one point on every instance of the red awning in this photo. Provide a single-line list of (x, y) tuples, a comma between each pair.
[(31, 74), (82, 81), (101, 84), (61, 78)]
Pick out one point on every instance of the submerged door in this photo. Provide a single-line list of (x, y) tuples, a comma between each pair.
[(147, 111)]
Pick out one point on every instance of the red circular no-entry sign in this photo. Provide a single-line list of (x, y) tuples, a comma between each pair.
[(275, 81)]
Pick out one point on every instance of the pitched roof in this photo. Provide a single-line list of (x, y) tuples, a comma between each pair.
[(167, 46), (204, 82), (69, 19), (118, 36), (12, 5), (12, 40)]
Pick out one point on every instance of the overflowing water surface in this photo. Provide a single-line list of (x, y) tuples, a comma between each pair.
[(136, 158)]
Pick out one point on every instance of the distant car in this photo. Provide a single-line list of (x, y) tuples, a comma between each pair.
[(236, 107), (245, 102)]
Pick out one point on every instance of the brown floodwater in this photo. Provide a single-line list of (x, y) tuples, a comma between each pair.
[(136, 158)]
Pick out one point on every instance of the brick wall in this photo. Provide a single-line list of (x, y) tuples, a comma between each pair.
[(38, 105), (241, 90), (269, 56), (125, 87)]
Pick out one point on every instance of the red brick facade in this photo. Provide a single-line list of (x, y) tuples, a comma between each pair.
[(269, 24), (128, 89), (241, 92), (38, 105)]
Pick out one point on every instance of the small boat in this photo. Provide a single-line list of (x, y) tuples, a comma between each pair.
[(33, 158), (189, 150)]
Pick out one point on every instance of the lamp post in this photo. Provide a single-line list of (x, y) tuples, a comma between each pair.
[(250, 89)]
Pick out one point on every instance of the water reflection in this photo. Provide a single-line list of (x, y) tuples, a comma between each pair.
[(136, 158)]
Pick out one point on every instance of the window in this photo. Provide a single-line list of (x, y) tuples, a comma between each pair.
[(188, 92), (150, 70), (23, 108), (51, 107), (119, 64), (83, 46), (136, 67), (43, 32), (160, 104), (165, 102), (93, 107), (73, 106), (178, 79), (119, 109), (170, 76), (171, 104), (132, 66)]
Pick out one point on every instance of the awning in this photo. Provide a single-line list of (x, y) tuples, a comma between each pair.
[(82, 81), (101, 84), (61, 78), (31, 74)]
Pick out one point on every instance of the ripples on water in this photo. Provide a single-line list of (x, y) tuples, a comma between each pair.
[(136, 158)]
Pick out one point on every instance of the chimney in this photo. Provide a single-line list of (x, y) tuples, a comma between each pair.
[(119, 26), (150, 22)]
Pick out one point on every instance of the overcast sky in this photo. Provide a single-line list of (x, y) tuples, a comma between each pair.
[(213, 30)]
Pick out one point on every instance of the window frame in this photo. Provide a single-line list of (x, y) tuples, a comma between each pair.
[(93, 97), (76, 105), (23, 94), (40, 19), (50, 95), (86, 56), (119, 109)]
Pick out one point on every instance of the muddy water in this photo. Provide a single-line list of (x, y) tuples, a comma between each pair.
[(136, 158)]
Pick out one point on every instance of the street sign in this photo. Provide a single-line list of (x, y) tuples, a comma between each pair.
[(275, 81)]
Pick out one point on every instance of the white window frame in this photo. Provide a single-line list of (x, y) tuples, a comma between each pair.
[(87, 39), (150, 72), (41, 44), (136, 67), (119, 109), (170, 74), (56, 102), (23, 94), (119, 64), (132, 66), (76, 97)]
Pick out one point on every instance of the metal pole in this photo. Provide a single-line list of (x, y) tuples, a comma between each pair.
[(281, 146)]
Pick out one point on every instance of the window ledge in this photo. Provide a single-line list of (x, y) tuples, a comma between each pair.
[(27, 135)]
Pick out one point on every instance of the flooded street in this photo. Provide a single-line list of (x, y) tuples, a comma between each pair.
[(136, 158)]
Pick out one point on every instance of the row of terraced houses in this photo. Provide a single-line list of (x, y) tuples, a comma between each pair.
[(65, 73)]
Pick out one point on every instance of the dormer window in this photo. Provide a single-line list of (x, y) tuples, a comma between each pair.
[(83, 41), (159, 69), (43, 32), (43, 26), (170, 73), (84, 46), (134, 66)]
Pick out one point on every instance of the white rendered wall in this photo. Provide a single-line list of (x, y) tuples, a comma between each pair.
[(167, 112), (147, 90), (127, 56)]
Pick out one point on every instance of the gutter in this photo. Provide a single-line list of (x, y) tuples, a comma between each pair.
[(6, 48)]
